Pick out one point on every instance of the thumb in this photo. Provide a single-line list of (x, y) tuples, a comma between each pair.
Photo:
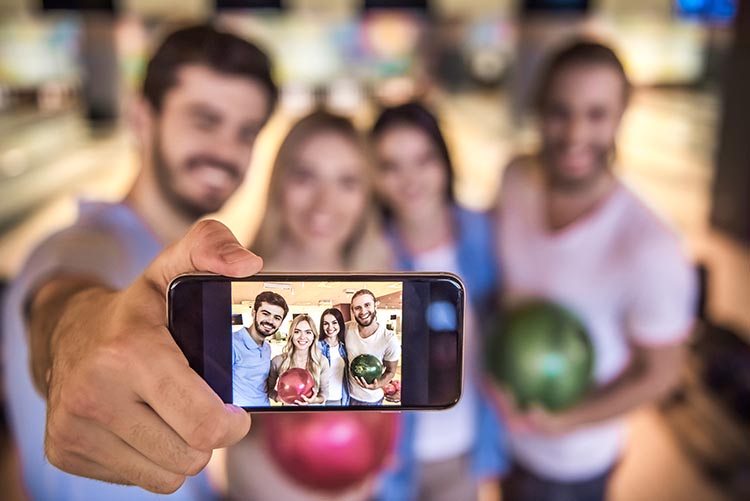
[(210, 247)]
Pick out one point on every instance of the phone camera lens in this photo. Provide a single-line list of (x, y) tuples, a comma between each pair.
[(441, 316)]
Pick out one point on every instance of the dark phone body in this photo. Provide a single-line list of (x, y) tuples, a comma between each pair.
[(431, 361)]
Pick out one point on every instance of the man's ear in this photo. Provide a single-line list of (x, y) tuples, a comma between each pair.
[(142, 121)]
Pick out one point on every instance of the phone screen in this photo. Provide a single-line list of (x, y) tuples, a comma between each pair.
[(324, 342)]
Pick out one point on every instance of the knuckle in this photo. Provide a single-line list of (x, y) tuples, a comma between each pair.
[(198, 461), (167, 484), (53, 453), (167, 389), (206, 433), (86, 403), (207, 227), (59, 437)]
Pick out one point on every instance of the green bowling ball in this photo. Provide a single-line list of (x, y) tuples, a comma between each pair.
[(543, 354), (368, 367)]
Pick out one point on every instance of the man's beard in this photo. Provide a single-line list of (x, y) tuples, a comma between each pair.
[(372, 318), (604, 158), (262, 332), (165, 178)]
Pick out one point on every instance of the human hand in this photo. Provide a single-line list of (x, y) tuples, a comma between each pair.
[(536, 419), (364, 384), (305, 400), (123, 405)]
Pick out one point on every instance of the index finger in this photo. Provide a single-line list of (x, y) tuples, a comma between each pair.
[(189, 406)]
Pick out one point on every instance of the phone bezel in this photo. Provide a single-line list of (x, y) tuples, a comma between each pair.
[(340, 277)]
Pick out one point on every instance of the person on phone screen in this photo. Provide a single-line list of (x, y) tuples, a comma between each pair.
[(366, 336), (333, 348), (251, 354), (301, 351), (95, 384), (320, 217)]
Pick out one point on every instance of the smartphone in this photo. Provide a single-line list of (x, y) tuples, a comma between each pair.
[(318, 342)]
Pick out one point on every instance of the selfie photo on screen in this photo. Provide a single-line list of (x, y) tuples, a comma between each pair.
[(316, 343)]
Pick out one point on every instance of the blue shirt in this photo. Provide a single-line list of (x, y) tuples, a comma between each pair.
[(479, 270), (250, 365)]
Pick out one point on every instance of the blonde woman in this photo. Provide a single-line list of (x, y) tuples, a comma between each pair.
[(320, 216), (302, 352)]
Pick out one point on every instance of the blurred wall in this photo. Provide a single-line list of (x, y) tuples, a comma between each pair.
[(730, 210)]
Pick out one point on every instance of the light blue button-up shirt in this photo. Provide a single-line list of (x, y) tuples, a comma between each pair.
[(250, 366)]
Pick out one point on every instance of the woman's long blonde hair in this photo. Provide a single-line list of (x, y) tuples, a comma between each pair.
[(366, 248), (314, 355)]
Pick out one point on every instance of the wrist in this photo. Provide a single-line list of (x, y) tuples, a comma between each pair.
[(74, 306)]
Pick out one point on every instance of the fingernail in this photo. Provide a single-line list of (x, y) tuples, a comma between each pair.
[(233, 253)]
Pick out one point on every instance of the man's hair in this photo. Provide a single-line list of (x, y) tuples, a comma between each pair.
[(270, 298), (207, 46), (362, 292), (578, 53)]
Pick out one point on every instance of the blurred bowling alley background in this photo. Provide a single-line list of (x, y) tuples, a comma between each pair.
[(68, 70)]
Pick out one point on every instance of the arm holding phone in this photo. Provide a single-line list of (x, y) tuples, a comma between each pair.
[(123, 404)]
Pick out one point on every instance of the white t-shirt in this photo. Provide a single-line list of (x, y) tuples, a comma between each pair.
[(335, 384), (622, 271), (449, 433), (383, 345)]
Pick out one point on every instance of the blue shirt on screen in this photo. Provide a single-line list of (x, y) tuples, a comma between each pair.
[(250, 365)]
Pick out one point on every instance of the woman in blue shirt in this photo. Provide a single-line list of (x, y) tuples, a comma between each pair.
[(333, 349), (450, 454)]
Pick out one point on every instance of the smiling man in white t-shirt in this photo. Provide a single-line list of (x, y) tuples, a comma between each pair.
[(571, 232), (365, 335)]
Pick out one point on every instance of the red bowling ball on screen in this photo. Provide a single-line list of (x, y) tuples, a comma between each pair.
[(293, 384), (331, 451)]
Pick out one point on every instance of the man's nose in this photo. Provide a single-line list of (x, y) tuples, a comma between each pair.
[(226, 147), (575, 132)]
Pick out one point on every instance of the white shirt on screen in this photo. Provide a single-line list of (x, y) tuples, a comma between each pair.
[(335, 386), (383, 344), (620, 270)]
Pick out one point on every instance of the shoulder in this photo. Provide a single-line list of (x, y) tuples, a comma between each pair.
[(653, 251), (520, 178), (351, 327), (236, 336), (520, 169), (73, 250), (389, 335), (647, 237)]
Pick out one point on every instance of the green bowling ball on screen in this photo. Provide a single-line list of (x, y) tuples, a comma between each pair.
[(543, 354), (368, 367)]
